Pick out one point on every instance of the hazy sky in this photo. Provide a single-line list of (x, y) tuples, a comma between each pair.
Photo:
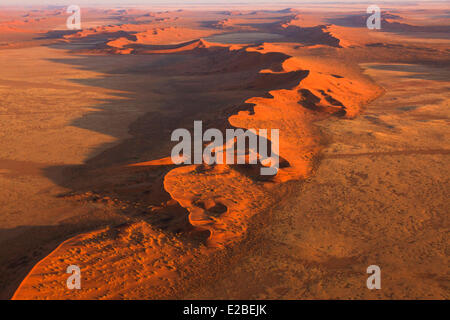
[(218, 4), (184, 2)]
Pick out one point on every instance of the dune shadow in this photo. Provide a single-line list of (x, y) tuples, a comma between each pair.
[(153, 95)]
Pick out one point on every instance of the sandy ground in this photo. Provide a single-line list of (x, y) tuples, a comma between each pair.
[(387, 174), (46, 120), (363, 182)]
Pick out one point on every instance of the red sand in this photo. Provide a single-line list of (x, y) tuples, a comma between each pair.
[(309, 76)]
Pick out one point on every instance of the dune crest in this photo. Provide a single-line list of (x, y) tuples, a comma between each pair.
[(312, 96), (147, 257), (212, 194)]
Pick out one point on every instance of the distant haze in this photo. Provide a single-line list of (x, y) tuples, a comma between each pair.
[(187, 3)]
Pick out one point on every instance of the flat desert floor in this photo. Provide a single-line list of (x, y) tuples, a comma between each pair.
[(86, 177)]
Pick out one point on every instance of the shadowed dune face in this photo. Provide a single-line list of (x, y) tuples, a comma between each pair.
[(212, 196), (155, 226)]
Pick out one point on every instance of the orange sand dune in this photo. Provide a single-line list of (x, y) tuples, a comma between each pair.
[(212, 194), (130, 36), (302, 20), (137, 247), (317, 34), (311, 75), (232, 24), (161, 36), (189, 46), (394, 23)]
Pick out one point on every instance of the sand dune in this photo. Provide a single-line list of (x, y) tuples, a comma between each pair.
[(213, 195), (391, 23), (166, 226)]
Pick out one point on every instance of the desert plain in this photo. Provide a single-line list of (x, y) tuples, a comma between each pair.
[(86, 176)]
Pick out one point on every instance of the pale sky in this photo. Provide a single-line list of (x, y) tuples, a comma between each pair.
[(196, 2), (223, 4)]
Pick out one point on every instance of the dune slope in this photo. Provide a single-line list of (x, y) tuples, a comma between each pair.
[(137, 261)]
